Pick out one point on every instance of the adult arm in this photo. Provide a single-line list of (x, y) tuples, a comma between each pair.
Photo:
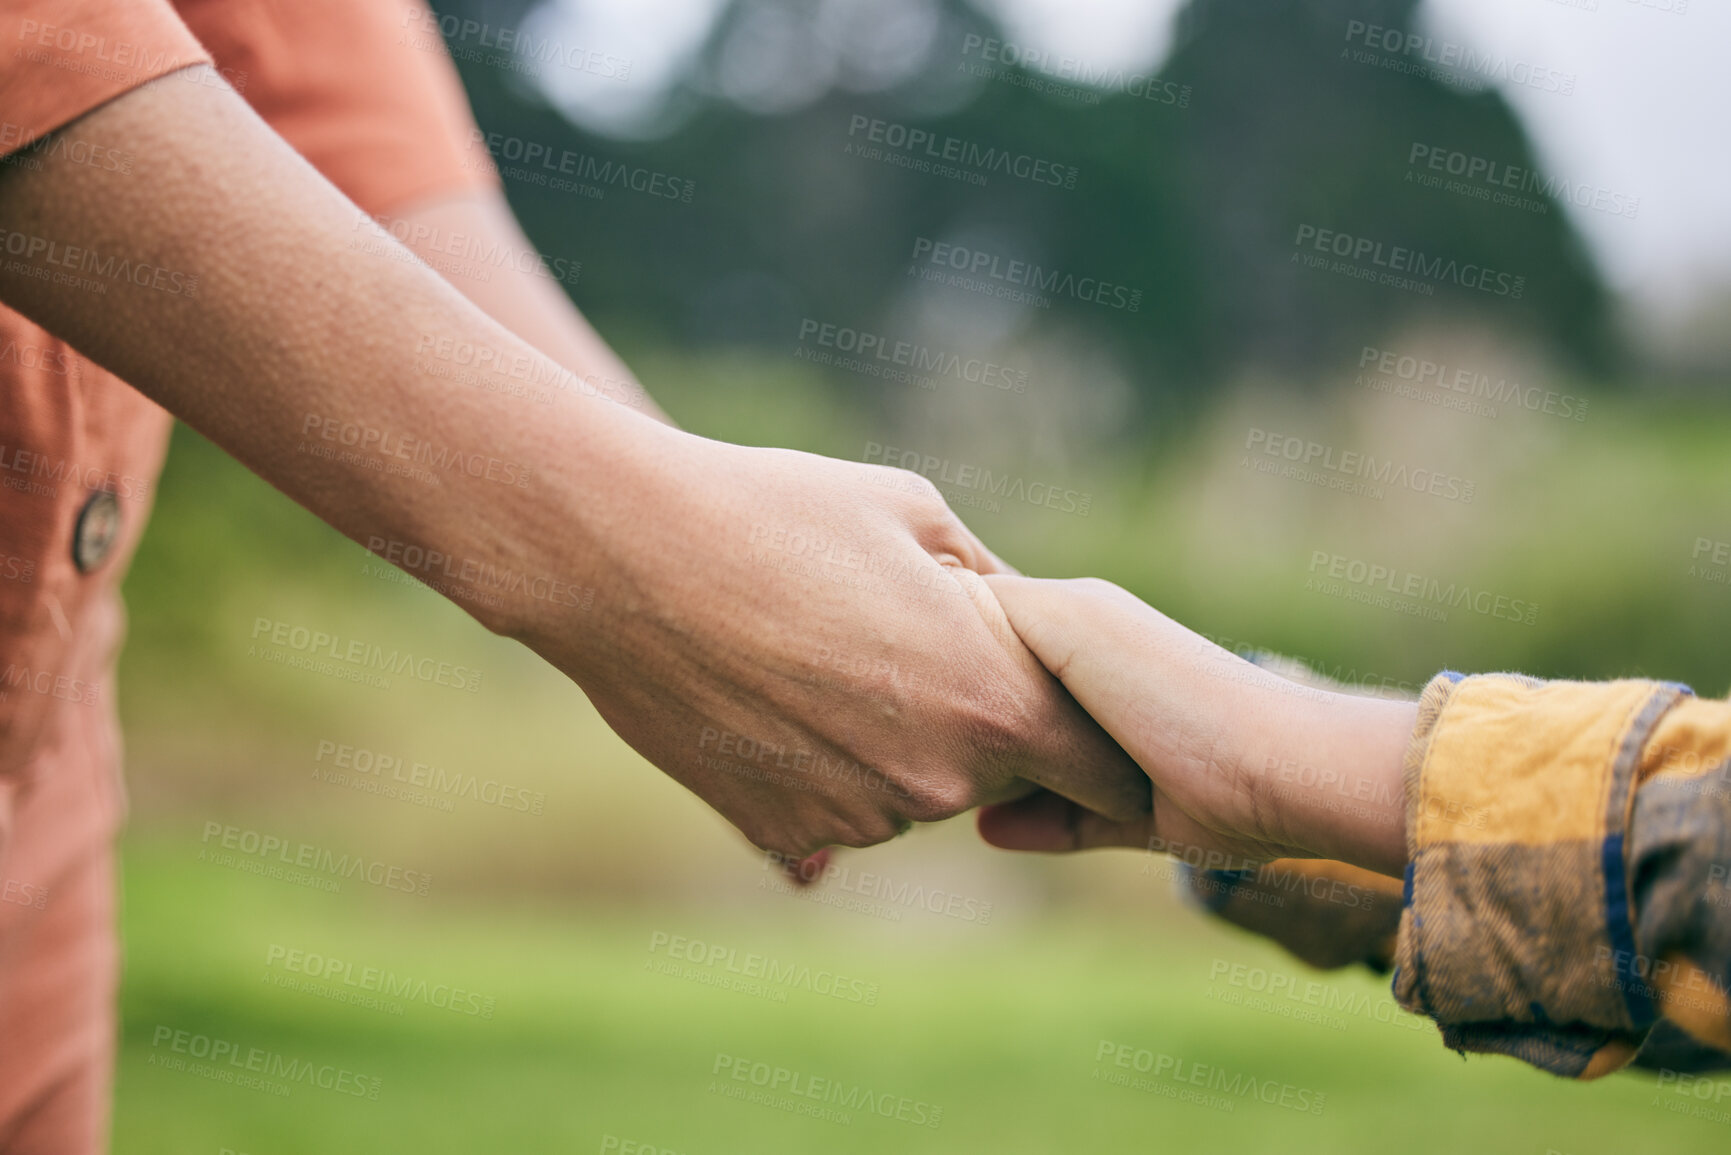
[(521, 293), (222, 278)]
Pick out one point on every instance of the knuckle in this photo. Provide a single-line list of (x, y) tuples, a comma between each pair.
[(785, 844), (925, 491), (862, 831), (920, 493), (998, 729), (934, 799), (1097, 587), (894, 480)]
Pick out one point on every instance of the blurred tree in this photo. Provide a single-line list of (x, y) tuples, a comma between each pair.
[(1191, 186)]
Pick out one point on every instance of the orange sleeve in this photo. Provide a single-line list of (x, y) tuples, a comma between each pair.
[(364, 89), (61, 58)]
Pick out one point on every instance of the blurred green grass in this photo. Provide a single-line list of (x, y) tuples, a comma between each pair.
[(552, 913), (1000, 1029)]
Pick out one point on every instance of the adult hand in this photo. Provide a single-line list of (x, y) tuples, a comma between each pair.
[(806, 644), (1247, 766)]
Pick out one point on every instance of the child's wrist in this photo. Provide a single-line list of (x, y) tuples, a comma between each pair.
[(1351, 805)]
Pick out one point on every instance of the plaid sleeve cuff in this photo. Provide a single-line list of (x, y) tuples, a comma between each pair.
[(1517, 935), (1328, 914)]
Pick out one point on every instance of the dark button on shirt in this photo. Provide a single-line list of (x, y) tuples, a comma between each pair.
[(97, 530)]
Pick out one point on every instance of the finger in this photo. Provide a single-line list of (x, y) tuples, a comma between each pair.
[(951, 542), (1046, 823), (808, 870), (1097, 639), (984, 560), (1079, 760), (1076, 758)]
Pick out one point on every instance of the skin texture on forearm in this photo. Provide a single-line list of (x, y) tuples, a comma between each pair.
[(521, 293), (291, 321)]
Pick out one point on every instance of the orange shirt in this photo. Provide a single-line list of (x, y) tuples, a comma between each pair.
[(364, 90)]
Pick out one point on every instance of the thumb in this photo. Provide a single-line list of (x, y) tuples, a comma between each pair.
[(971, 553), (1048, 823), (1074, 756), (1051, 824), (987, 561)]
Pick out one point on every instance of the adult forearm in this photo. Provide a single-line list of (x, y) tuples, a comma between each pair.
[(228, 281), (474, 242)]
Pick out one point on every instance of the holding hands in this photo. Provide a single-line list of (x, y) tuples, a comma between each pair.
[(951, 691), (725, 574), (1245, 763)]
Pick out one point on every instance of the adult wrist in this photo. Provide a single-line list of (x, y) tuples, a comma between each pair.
[(536, 554)]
